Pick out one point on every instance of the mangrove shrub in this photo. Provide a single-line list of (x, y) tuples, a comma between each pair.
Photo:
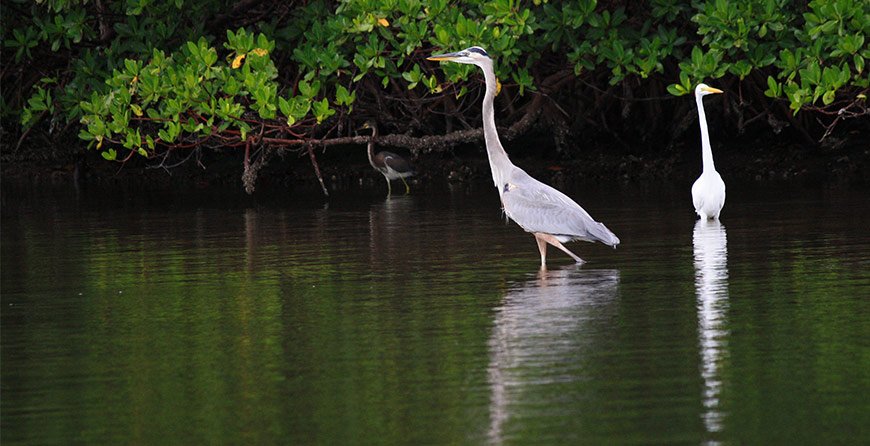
[(161, 78)]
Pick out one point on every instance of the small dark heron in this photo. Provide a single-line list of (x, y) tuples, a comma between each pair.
[(389, 164)]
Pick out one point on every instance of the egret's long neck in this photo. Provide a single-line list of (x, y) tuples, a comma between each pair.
[(499, 162), (371, 148), (706, 150)]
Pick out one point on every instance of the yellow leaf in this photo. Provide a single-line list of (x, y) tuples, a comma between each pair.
[(260, 51), (383, 22), (135, 79), (99, 141), (137, 110), (237, 62), (497, 87)]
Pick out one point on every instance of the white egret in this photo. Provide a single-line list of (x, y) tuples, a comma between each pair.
[(708, 192), (548, 214)]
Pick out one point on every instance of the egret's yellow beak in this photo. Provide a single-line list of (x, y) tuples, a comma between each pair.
[(446, 56), (712, 90)]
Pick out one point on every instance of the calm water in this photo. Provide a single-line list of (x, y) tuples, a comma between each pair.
[(211, 318)]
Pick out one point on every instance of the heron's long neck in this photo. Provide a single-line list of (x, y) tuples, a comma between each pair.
[(371, 149), (499, 162), (706, 150)]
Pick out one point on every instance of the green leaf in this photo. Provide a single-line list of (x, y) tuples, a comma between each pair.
[(322, 110), (193, 49), (741, 68), (685, 82), (284, 106), (109, 155), (676, 90), (309, 90), (131, 66), (773, 88), (343, 96)]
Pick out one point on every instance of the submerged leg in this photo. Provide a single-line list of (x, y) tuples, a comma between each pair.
[(407, 189), (389, 186), (542, 246), (555, 242)]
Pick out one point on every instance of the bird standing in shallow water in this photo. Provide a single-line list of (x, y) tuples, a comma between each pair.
[(390, 165), (708, 192), (548, 214)]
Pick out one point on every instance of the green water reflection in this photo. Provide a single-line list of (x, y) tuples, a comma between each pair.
[(425, 320)]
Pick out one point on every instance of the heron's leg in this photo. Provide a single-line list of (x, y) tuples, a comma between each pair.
[(555, 242), (542, 246), (389, 186), (407, 189)]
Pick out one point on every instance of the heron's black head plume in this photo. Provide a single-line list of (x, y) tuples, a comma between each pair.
[(478, 50)]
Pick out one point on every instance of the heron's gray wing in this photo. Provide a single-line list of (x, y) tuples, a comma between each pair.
[(537, 207), (397, 162)]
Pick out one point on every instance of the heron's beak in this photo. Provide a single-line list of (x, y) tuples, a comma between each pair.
[(446, 56), (712, 90)]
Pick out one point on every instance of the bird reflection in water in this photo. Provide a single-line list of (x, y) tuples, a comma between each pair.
[(539, 331), (711, 287), (387, 230)]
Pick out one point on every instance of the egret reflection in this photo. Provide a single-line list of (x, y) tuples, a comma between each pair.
[(539, 331), (711, 287)]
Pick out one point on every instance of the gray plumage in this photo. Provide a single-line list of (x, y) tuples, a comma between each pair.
[(537, 207), (548, 214), (391, 165)]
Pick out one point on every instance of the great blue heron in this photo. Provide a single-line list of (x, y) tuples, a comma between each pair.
[(548, 214), (390, 165), (708, 192)]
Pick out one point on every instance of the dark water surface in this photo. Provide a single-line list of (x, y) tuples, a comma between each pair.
[(209, 318)]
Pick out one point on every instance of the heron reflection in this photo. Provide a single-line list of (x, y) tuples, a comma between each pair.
[(388, 234), (711, 287), (539, 330)]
